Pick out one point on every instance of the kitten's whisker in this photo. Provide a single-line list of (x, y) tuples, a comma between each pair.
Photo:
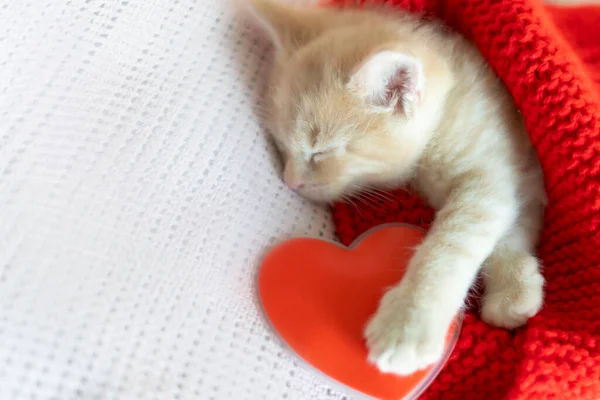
[(364, 199), (381, 196), (348, 200), (374, 192), (374, 195), (381, 191), (370, 199), (391, 197), (373, 201)]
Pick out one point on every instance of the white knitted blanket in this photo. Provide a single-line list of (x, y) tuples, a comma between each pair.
[(137, 195)]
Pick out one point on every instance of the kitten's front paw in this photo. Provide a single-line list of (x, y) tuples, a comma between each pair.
[(401, 338), (510, 302)]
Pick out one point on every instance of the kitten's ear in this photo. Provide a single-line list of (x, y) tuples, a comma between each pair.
[(289, 27), (390, 81)]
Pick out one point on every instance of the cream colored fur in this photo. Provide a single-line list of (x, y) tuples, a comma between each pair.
[(364, 100)]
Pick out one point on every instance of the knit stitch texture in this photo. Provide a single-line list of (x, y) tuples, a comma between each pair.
[(549, 58)]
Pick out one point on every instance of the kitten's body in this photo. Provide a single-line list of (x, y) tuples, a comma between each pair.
[(360, 99)]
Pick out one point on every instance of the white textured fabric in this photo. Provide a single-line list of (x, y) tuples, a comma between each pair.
[(137, 195)]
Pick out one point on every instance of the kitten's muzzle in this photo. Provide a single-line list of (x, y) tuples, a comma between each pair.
[(294, 184)]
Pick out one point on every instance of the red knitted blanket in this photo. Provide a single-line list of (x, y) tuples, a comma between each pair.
[(549, 58)]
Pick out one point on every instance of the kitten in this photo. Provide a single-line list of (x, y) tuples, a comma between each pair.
[(364, 99)]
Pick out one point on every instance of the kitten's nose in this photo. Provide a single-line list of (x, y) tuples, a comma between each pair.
[(291, 176), (294, 184)]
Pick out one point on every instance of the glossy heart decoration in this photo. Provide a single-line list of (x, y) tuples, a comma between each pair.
[(319, 295)]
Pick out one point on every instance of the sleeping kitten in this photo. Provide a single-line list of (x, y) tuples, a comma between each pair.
[(364, 99)]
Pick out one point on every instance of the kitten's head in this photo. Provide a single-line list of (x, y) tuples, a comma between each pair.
[(353, 99)]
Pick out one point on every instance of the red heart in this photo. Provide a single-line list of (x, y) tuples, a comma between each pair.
[(319, 295)]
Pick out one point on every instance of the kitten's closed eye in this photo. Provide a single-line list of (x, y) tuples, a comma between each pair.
[(323, 155), (319, 156), (334, 150)]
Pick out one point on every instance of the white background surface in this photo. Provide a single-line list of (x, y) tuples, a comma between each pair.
[(137, 194)]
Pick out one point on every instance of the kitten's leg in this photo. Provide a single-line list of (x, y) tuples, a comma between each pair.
[(408, 331), (514, 286)]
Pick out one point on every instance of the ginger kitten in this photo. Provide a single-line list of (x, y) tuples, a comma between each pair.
[(363, 99)]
